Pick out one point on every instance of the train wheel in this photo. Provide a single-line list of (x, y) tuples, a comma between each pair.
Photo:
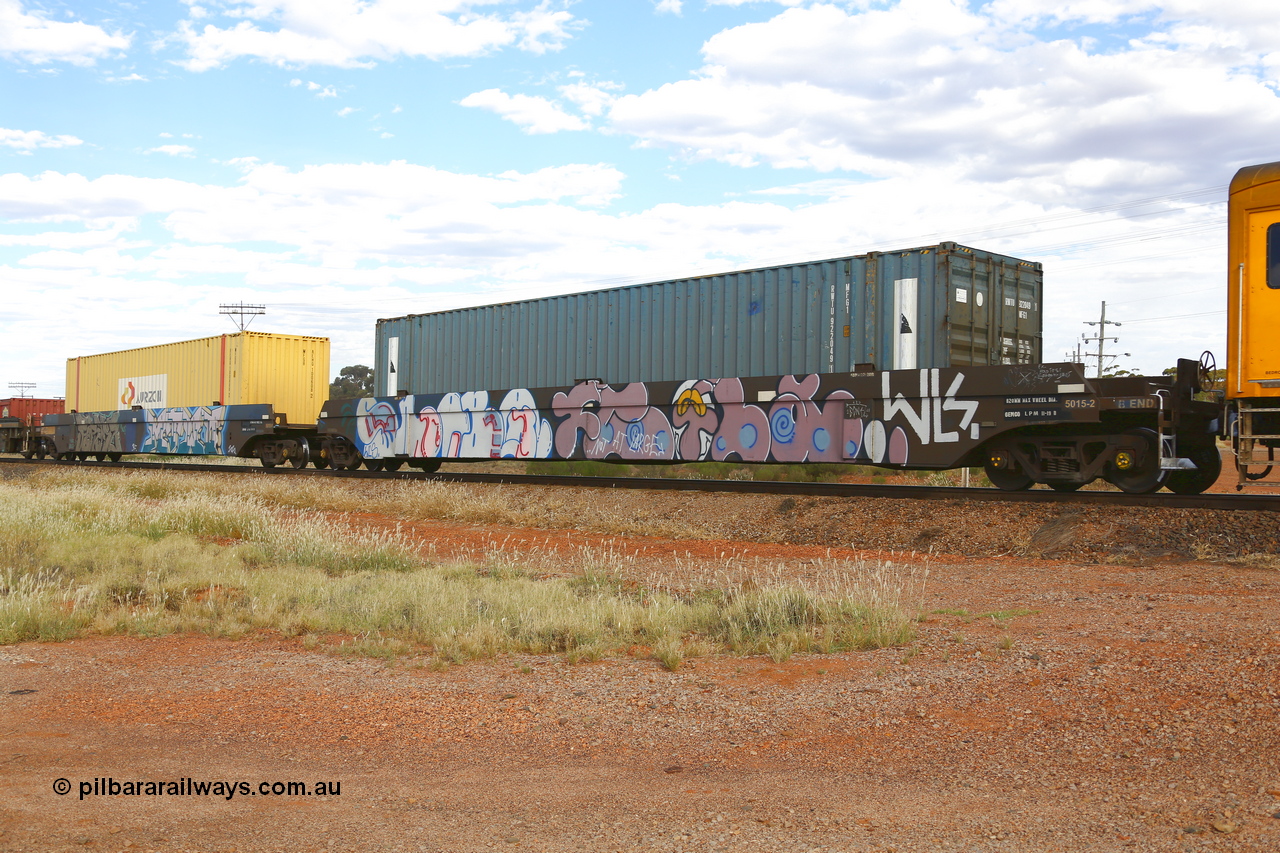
[(1208, 467), (1005, 473), (1062, 486), (373, 464), (300, 457), (392, 464), (1136, 470), (320, 456), (426, 466)]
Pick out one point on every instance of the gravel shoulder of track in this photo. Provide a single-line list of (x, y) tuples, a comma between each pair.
[(969, 528)]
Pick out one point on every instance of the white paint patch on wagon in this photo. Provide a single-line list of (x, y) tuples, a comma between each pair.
[(906, 292)]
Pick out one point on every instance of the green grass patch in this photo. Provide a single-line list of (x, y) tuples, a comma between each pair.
[(994, 615)]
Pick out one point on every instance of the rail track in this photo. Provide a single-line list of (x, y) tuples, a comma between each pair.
[(1248, 502)]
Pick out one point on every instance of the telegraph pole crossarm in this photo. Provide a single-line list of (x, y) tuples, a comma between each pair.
[(242, 311)]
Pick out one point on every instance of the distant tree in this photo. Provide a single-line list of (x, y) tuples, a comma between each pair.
[(355, 380), (1218, 375)]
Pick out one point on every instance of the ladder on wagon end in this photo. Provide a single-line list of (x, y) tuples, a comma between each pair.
[(1248, 440)]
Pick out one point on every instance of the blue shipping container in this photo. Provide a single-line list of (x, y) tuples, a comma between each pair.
[(936, 306)]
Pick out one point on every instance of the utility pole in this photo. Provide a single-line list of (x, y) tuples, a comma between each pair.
[(1102, 337), (242, 311)]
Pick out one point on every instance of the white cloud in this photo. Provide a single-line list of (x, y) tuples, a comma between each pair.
[(357, 241), (172, 150), (591, 98), (887, 91), (32, 37), (533, 114), (346, 111), (322, 91), (673, 7), (29, 140), (357, 33)]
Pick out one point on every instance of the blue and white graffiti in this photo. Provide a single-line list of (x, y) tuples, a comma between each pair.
[(194, 430), (453, 426)]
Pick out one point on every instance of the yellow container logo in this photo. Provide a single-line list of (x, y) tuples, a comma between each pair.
[(150, 392)]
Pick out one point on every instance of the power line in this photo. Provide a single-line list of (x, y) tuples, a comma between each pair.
[(1165, 296), (1177, 316)]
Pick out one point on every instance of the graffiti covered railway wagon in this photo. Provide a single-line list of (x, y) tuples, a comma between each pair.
[(250, 394), (177, 431), (1023, 423)]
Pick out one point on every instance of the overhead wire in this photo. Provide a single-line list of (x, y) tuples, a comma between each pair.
[(1175, 317)]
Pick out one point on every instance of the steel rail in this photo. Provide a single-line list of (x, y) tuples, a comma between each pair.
[(1249, 502)]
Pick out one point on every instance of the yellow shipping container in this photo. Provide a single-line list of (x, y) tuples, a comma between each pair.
[(291, 372)]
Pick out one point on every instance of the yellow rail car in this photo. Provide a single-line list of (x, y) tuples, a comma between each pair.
[(1253, 324)]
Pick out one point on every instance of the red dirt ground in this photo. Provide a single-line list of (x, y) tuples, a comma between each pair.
[(1048, 705)]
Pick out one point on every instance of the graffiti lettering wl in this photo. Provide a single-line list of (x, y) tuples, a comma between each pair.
[(927, 421)]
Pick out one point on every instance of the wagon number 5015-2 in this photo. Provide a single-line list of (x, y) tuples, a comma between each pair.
[(1080, 403)]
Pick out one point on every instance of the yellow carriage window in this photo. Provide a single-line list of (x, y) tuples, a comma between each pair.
[(1273, 256)]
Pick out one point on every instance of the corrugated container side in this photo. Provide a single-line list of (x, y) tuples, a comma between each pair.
[(819, 317), (289, 372), (188, 373), (28, 409)]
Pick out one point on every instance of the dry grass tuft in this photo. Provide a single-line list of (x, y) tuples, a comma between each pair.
[(151, 554)]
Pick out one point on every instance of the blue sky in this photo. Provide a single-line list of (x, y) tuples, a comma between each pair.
[(342, 161)]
